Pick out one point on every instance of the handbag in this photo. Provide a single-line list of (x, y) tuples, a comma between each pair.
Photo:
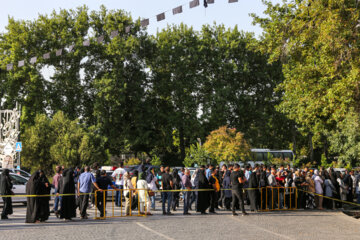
[(151, 193)]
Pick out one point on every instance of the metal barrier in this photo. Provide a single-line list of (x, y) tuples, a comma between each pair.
[(277, 198), (102, 203)]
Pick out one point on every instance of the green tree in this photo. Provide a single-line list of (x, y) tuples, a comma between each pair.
[(318, 44), (227, 145), (60, 141), (196, 154)]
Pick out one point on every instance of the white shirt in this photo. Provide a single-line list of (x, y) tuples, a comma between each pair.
[(152, 184), (118, 175), (318, 188)]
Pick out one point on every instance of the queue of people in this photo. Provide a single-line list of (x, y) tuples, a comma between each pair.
[(209, 188)]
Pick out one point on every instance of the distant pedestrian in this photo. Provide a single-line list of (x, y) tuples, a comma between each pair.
[(6, 189), (86, 179), (68, 203)]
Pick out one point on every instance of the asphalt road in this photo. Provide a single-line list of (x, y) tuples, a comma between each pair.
[(270, 225)]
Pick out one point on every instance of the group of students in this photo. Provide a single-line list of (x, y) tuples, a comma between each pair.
[(210, 188)]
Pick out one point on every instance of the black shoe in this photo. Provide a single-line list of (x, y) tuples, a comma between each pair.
[(235, 214), (164, 213), (212, 212), (245, 214), (4, 217), (169, 213), (52, 211), (203, 213)]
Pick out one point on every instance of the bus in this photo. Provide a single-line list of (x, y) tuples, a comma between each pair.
[(261, 155)]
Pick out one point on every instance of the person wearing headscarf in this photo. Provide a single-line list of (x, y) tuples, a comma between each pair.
[(127, 192), (318, 190), (253, 191), (68, 203), (5, 189), (143, 194), (203, 201), (177, 186), (227, 193), (32, 206), (342, 188), (38, 207), (45, 189), (152, 182)]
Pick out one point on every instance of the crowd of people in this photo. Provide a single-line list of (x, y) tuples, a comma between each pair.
[(209, 188)]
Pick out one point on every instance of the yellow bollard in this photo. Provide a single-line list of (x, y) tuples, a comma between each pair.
[(96, 204), (121, 204), (104, 203), (112, 203)]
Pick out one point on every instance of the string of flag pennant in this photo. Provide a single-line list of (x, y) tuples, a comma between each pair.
[(144, 23)]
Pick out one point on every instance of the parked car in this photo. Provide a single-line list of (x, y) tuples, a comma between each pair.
[(19, 188), (18, 172)]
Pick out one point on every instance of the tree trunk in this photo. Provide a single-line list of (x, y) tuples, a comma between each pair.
[(182, 142), (311, 148), (293, 131)]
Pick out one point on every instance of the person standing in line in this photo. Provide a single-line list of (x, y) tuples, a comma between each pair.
[(37, 207), (318, 190), (86, 179), (6, 189), (214, 184), (186, 182), (237, 181), (68, 203), (55, 183), (221, 179), (144, 200), (127, 192), (152, 182), (119, 182), (103, 181), (208, 171), (176, 186), (167, 184), (96, 172), (253, 190), (272, 191), (203, 199)]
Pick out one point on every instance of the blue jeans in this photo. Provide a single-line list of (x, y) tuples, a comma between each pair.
[(358, 198), (166, 196), (118, 196), (57, 201), (187, 198), (152, 202)]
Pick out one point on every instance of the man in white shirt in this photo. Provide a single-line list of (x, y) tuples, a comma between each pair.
[(119, 182)]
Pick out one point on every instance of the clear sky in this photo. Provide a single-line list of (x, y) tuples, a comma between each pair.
[(222, 12)]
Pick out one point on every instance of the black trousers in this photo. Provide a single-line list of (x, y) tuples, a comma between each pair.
[(7, 208), (213, 201), (237, 195), (84, 202), (101, 203)]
